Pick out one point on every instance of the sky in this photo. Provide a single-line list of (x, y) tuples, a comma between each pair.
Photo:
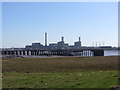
[(24, 23)]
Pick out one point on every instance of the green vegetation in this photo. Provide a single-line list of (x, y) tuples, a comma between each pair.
[(64, 72), (96, 79)]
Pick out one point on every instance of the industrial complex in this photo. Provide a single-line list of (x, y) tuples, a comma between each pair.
[(59, 45), (60, 49)]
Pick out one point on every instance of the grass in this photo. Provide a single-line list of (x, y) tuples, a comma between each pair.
[(96, 79), (63, 64), (64, 72)]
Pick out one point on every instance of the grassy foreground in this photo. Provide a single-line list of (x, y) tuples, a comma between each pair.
[(95, 79), (64, 72)]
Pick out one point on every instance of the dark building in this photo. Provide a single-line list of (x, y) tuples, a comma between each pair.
[(28, 47), (59, 45), (34, 46), (53, 46), (77, 44)]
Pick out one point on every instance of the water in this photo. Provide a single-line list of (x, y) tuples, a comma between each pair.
[(111, 52)]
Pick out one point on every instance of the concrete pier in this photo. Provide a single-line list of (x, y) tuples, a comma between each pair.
[(64, 52)]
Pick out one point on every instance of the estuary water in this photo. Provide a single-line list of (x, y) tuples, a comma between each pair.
[(111, 52)]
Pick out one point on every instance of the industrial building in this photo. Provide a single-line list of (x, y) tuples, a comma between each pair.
[(59, 45), (59, 48)]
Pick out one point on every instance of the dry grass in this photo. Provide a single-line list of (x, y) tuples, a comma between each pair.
[(63, 64)]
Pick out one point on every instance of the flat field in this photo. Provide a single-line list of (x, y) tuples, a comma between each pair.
[(63, 72)]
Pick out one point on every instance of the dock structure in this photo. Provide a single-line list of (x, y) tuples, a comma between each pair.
[(59, 52), (83, 52)]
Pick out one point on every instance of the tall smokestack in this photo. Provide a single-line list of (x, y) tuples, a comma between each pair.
[(62, 39), (45, 39), (79, 39)]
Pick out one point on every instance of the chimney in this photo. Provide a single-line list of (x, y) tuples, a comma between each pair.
[(62, 39), (45, 39), (79, 39)]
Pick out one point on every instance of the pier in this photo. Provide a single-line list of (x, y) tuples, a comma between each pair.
[(59, 52)]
